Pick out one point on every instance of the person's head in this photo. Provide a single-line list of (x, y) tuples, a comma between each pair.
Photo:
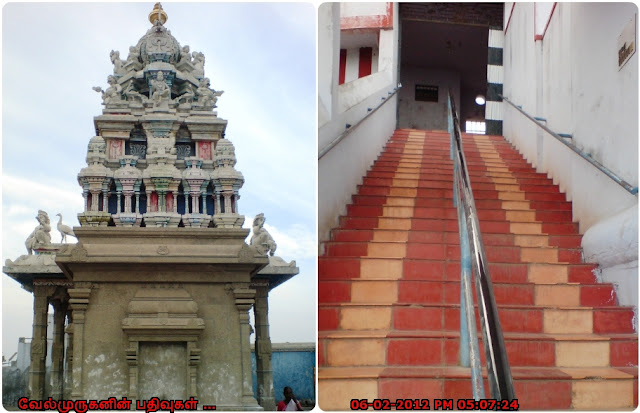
[(288, 393)]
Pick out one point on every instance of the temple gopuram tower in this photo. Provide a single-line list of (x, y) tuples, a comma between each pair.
[(155, 295)]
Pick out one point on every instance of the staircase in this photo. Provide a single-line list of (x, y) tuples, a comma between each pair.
[(389, 286)]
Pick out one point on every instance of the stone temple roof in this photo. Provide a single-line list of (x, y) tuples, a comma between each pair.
[(159, 120)]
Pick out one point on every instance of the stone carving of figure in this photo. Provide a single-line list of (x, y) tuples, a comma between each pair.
[(185, 54), (113, 94), (204, 150), (115, 148), (118, 66), (198, 63), (187, 96), (261, 240), (207, 97), (40, 236), (159, 90), (133, 55), (132, 94), (96, 146)]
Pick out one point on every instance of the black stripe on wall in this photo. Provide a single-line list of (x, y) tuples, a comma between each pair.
[(494, 90), (495, 56), (493, 127)]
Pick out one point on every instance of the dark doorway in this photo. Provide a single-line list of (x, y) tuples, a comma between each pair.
[(444, 46)]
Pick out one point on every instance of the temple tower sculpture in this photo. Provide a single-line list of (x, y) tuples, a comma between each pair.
[(157, 290)]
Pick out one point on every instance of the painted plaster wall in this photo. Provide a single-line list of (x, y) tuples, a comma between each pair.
[(519, 60), (105, 370), (353, 63), (328, 61), (293, 368), (426, 115), (571, 78), (342, 168), (351, 9)]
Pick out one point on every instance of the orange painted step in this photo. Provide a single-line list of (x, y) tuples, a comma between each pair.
[(433, 290), (481, 204), (365, 235), (425, 347), (513, 317), (451, 225), (431, 251), (389, 289), (448, 212), (349, 267)]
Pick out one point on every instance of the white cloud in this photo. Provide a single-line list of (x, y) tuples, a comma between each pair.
[(51, 195)]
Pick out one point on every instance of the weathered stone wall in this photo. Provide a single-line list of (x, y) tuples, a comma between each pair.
[(163, 371), (220, 369), (106, 373)]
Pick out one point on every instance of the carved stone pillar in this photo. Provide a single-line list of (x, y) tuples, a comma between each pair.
[(105, 197), (137, 210), (95, 200), (68, 379), (85, 196), (162, 200), (263, 349), (227, 204), (194, 362), (149, 209), (244, 300), (217, 196), (236, 209), (79, 301), (57, 349), (119, 201), (195, 202), (174, 194), (37, 370), (132, 360)]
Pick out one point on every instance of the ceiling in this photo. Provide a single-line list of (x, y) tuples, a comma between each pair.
[(445, 46)]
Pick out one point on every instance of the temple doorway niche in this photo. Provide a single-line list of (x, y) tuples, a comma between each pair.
[(163, 371)]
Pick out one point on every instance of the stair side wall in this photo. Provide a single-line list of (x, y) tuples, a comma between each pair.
[(342, 168), (569, 74)]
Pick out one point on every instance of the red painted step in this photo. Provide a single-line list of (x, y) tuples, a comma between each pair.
[(565, 333)]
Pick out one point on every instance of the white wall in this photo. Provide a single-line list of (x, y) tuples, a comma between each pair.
[(343, 167), (571, 78), (353, 9), (352, 67), (426, 115), (328, 61)]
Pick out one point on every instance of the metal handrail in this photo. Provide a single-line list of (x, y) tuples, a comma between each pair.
[(587, 157), (350, 128), (473, 257)]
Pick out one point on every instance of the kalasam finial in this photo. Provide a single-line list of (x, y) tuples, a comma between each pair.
[(158, 15)]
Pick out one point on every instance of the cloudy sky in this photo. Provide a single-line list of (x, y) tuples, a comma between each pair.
[(261, 54)]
